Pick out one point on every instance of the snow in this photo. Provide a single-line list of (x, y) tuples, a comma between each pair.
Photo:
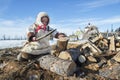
[(16, 43), (11, 43)]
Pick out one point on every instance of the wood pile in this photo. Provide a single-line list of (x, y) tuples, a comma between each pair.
[(93, 53)]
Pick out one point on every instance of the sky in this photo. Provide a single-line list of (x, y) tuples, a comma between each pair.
[(65, 15)]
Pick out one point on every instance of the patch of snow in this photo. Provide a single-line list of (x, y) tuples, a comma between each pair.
[(16, 43), (11, 43)]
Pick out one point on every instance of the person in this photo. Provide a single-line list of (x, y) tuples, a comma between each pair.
[(36, 47)]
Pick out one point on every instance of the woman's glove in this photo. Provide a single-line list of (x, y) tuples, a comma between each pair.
[(34, 39), (31, 37)]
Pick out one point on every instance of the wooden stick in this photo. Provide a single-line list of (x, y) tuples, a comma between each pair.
[(39, 38)]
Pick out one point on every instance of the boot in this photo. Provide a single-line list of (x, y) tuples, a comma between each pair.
[(22, 56)]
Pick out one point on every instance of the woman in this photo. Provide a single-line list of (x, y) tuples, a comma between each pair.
[(36, 47)]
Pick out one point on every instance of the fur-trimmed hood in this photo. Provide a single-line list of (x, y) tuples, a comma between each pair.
[(39, 16)]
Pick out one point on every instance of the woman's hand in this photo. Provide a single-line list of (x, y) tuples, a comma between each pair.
[(34, 39), (31, 37)]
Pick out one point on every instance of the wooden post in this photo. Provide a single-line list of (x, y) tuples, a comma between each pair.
[(117, 57), (112, 44), (62, 44), (57, 65)]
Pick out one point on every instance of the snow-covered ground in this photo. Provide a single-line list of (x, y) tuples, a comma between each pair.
[(15, 43), (11, 43), (20, 43)]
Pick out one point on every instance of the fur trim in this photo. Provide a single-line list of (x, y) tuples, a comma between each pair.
[(39, 16)]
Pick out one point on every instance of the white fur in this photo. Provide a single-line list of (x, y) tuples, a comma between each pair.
[(39, 16), (41, 45)]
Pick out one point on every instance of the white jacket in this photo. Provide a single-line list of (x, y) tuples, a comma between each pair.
[(42, 46)]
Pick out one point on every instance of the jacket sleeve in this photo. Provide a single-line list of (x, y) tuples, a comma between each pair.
[(31, 29), (30, 32)]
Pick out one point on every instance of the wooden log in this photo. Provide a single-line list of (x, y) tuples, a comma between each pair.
[(91, 59), (117, 49), (93, 67), (105, 41), (117, 57), (96, 66), (76, 44), (111, 72), (92, 47), (71, 54), (62, 44), (57, 65), (73, 45), (106, 54), (93, 50), (103, 46), (89, 54), (112, 44), (99, 51), (97, 38), (118, 44), (65, 55)]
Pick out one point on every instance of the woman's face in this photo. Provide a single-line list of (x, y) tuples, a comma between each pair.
[(45, 20)]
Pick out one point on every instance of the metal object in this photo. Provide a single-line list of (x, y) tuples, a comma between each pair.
[(39, 38)]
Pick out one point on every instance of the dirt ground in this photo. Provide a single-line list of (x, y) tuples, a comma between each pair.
[(11, 69)]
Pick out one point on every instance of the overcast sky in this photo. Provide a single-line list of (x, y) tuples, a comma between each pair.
[(65, 15)]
